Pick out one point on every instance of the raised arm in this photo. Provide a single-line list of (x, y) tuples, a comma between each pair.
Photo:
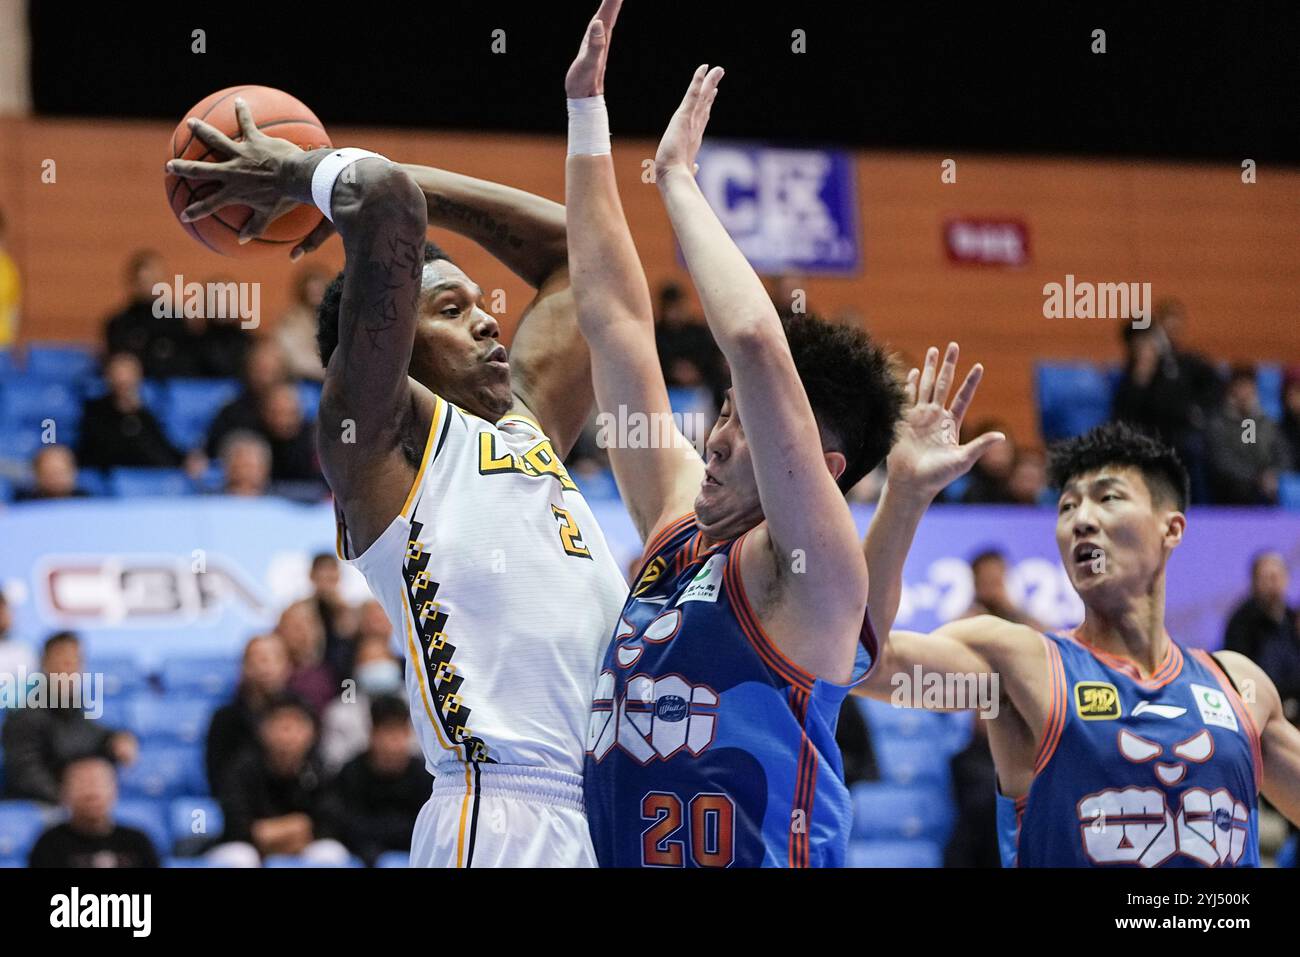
[(927, 457), (803, 506), (550, 369), (1279, 739), (614, 313), (380, 214)]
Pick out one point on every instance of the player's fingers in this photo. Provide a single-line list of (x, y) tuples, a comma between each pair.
[(976, 447), (709, 92), (966, 394), (196, 169), (926, 389), (205, 206), (909, 388), (255, 226), (247, 126), (213, 138), (693, 91), (608, 14), (312, 241), (947, 373)]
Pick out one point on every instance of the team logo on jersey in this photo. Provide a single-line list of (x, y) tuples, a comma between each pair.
[(1096, 700), (1214, 706), (707, 582), (655, 718), (653, 572)]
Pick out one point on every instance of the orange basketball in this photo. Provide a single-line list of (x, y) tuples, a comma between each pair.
[(277, 114)]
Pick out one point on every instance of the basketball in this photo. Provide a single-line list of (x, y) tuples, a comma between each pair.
[(277, 114)]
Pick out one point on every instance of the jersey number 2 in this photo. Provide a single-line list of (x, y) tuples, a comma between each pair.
[(570, 535)]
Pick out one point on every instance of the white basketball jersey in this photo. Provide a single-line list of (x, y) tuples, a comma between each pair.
[(504, 594)]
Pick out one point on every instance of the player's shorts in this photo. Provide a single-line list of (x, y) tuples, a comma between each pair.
[(494, 815)]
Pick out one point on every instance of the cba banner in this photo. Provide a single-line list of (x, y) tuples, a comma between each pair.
[(789, 210), (158, 578)]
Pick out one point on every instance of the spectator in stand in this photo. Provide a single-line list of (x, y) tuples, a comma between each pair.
[(346, 725), (292, 437), (1204, 384), (379, 793), (118, 429), (340, 619), (310, 678), (264, 368), (296, 330), (1265, 629), (991, 476), (40, 742), (11, 291), (1028, 479), (15, 656), (232, 733), (161, 343), (1291, 416), (1165, 396), (1246, 452), (90, 837), (1264, 615), (275, 799), (54, 476), (989, 575), (223, 342), (974, 838), (246, 464)]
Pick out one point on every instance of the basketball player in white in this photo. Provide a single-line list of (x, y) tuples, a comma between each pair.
[(444, 456)]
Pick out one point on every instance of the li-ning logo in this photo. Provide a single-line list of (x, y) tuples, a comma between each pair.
[(132, 911)]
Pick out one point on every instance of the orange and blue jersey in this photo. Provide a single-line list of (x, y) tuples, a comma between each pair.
[(1161, 771), (708, 747)]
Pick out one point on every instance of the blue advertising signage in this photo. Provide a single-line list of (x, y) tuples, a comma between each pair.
[(789, 210)]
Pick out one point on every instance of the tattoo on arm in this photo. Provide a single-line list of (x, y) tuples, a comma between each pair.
[(385, 281), (491, 228)]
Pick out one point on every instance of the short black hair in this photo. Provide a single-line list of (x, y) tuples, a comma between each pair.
[(993, 554), (59, 638), (327, 313), (287, 701), (853, 388), (388, 709), (1122, 444)]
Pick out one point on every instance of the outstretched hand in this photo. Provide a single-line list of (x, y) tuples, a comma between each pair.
[(252, 176), (586, 76), (681, 140), (928, 454)]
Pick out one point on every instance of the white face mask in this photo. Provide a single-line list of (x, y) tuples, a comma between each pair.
[(379, 677)]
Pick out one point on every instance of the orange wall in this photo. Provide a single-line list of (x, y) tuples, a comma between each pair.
[(1226, 249)]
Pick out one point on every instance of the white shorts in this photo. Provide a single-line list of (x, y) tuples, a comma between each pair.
[(494, 815)]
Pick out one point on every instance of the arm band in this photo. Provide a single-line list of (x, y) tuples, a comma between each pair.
[(328, 171), (588, 127)]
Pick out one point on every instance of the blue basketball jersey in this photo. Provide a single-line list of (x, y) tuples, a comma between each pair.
[(1156, 772), (707, 747)]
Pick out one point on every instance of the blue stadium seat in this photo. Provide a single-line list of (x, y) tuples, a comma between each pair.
[(18, 443), (164, 771), (1288, 491), (287, 860), (194, 816), (916, 761), (1073, 397), (6, 487), (124, 482), (62, 363), (92, 482), (895, 854), (885, 720), (212, 677), (393, 859), (309, 396), (147, 816), (8, 362), (892, 811), (170, 719), (21, 823), (27, 402), (192, 404), (1268, 382)]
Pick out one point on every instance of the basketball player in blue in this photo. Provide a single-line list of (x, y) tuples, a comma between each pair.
[(1115, 745), (711, 740)]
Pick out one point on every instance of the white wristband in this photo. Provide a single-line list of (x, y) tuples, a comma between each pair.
[(588, 127), (328, 171)]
